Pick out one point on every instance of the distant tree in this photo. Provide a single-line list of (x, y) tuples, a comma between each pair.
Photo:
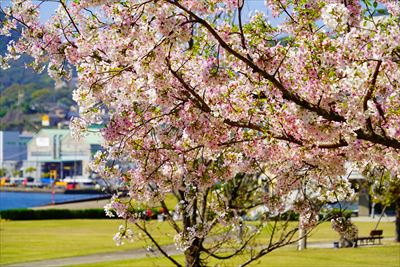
[(3, 172), (30, 170), (16, 173), (385, 189)]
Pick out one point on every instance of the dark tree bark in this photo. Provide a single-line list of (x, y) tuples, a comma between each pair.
[(192, 254)]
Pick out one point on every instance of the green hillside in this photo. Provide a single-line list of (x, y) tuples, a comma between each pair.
[(25, 95)]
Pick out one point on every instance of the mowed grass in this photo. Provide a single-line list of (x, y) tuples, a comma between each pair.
[(24, 241), (325, 233), (372, 256)]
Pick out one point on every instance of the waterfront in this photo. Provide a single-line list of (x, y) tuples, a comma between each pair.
[(16, 200)]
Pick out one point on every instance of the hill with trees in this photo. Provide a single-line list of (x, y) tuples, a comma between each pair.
[(25, 94)]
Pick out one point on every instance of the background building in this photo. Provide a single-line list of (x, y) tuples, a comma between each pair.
[(13, 149), (54, 151)]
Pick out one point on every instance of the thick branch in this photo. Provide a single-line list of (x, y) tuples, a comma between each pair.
[(240, 8), (287, 94), (369, 95), (378, 139), (341, 143), (371, 88), (286, 137), (292, 96)]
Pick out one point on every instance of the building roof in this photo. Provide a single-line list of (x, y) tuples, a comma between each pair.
[(50, 133), (92, 137)]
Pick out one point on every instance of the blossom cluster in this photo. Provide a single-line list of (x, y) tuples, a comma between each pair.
[(335, 15), (123, 234), (345, 228)]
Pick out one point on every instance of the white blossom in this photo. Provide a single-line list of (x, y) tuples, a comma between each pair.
[(123, 234), (78, 127), (335, 15)]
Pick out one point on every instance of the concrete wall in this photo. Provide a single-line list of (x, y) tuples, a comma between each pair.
[(72, 149), (40, 148)]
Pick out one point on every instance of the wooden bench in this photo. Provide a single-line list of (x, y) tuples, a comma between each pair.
[(368, 240)]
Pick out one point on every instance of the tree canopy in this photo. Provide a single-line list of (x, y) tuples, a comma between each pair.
[(197, 95)]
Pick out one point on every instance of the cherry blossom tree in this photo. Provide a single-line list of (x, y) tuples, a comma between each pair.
[(198, 96)]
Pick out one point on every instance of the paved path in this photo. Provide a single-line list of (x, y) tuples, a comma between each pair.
[(99, 257), (129, 255), (114, 256), (375, 219), (91, 204)]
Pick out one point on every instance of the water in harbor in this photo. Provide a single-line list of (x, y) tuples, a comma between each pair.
[(18, 200)]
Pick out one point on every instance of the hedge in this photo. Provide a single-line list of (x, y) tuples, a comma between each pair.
[(54, 214), (27, 214), (150, 213)]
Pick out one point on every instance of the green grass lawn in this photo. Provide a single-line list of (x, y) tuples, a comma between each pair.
[(372, 256), (325, 233), (170, 201), (23, 241)]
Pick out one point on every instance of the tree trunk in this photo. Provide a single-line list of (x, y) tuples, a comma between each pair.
[(192, 254), (302, 243), (398, 220)]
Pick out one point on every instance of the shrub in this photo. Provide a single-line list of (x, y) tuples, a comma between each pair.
[(27, 214), (54, 214)]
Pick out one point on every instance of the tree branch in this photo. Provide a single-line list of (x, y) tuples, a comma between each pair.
[(368, 95), (198, 100), (240, 5), (144, 230), (287, 94), (378, 139), (69, 16)]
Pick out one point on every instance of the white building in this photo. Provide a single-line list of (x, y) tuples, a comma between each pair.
[(55, 151)]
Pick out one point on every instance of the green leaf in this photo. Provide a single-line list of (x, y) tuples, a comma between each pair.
[(382, 11)]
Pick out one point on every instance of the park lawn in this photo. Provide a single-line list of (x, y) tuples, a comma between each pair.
[(170, 201), (24, 241), (372, 256), (325, 233)]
